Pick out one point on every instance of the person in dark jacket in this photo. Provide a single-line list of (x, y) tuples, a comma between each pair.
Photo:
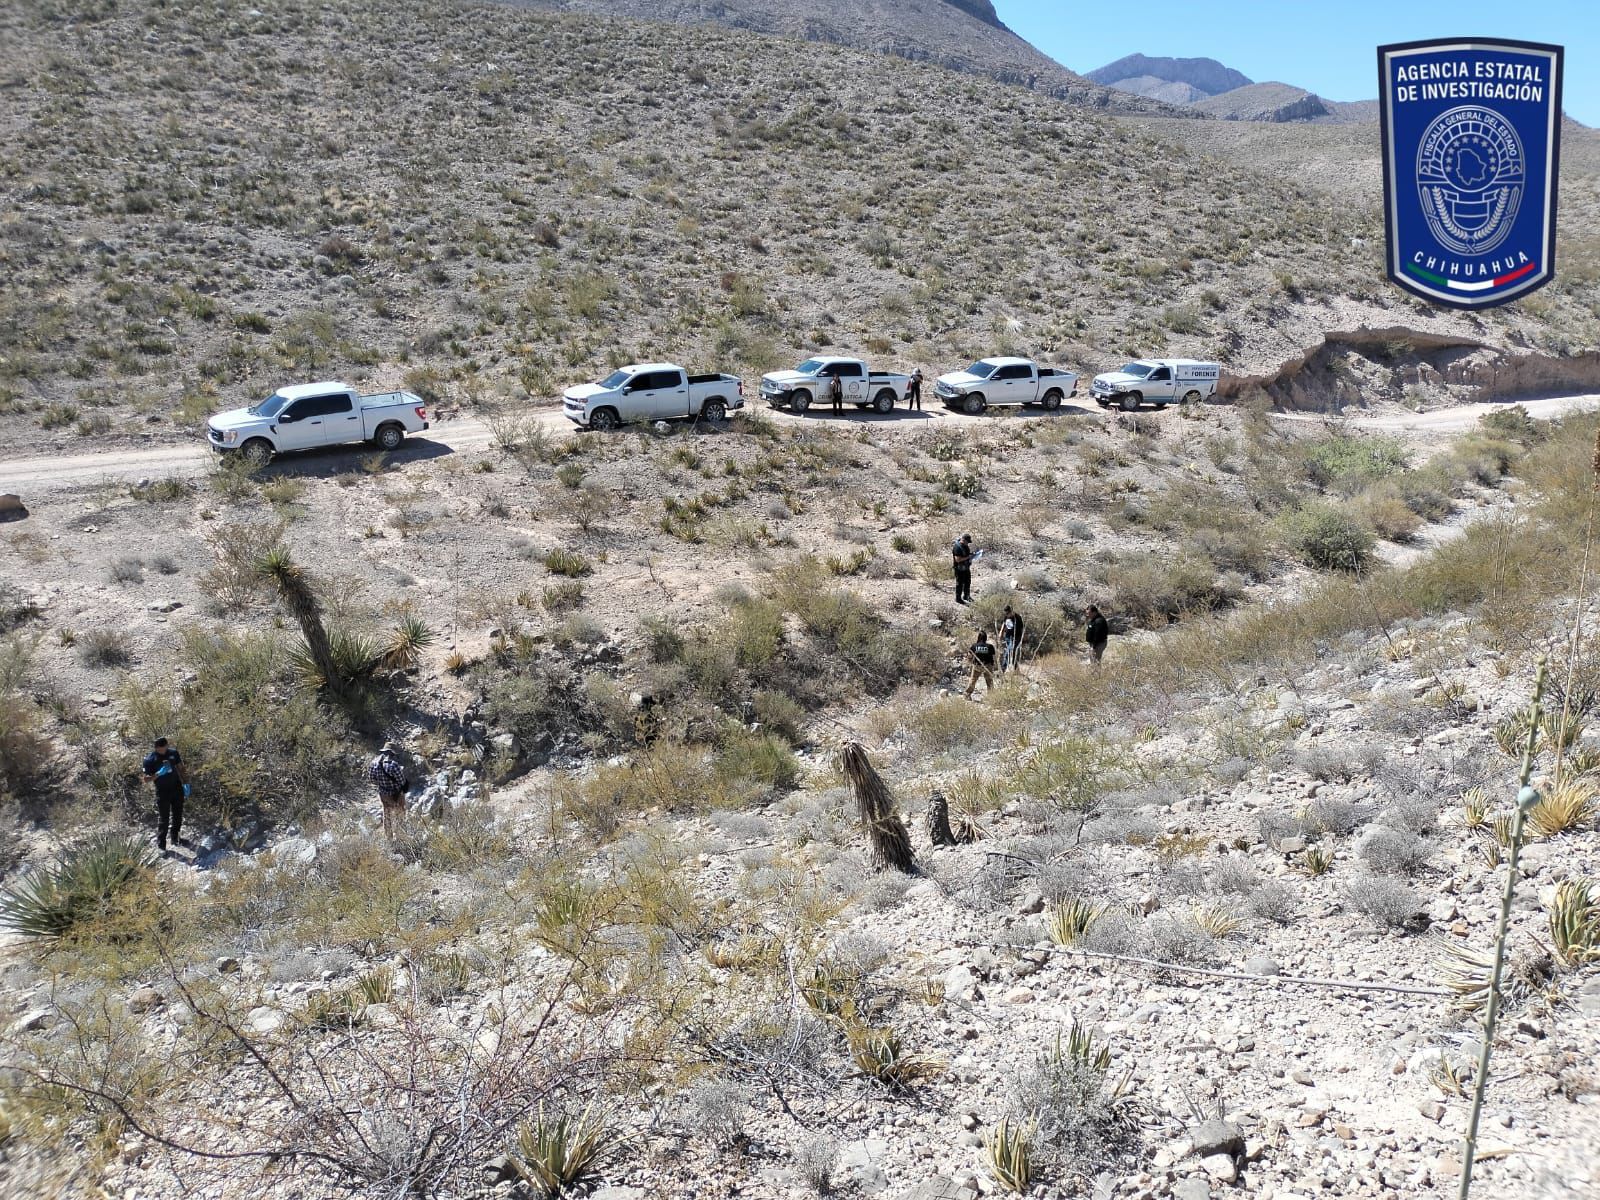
[(982, 657), (1095, 632), (961, 560), (164, 768), (836, 393), (914, 390)]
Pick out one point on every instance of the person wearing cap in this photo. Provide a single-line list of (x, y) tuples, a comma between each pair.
[(388, 774), (164, 768), (961, 560), (914, 390)]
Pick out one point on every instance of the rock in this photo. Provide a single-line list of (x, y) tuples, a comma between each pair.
[(12, 508), (1289, 845), (1191, 1189), (1220, 1167), (294, 852), (1031, 903), (940, 1187), (618, 1192), (145, 999), (859, 1161), (29, 1022), (265, 1020), (1147, 903), (1260, 964), (165, 606), (500, 1169), (960, 983), (226, 965), (1019, 996), (1431, 1109), (1216, 1137)]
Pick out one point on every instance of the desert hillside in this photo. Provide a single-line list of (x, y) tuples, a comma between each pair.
[(718, 869), (200, 204)]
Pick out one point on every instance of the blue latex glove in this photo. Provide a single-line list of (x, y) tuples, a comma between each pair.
[(186, 791)]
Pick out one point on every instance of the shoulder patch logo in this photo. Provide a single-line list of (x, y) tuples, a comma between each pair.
[(1471, 153)]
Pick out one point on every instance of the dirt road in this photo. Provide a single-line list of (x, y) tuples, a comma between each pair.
[(1452, 420), (191, 459), (33, 475)]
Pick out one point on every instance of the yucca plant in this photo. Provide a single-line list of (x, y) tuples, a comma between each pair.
[(831, 989), (407, 641), (277, 565), (1218, 920), (77, 887), (1080, 1049), (1467, 973), (1071, 920), (1575, 922), (556, 1153), (1009, 1149), (1511, 734), (1501, 829), (1475, 808), (1561, 729), (1449, 1078), (1564, 808), (1315, 860), (882, 1057)]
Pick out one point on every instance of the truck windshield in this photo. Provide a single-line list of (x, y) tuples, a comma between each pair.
[(270, 407), (810, 367), (615, 380), (981, 369), (1137, 370)]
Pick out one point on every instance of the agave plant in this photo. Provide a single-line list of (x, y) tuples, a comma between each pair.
[(1575, 923), (1564, 808), (1475, 808), (1071, 920), (557, 1152), (52, 901), (1009, 1149), (1080, 1049), (881, 1056)]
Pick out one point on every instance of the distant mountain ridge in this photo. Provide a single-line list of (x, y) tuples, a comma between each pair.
[(960, 35), (1204, 75), (1206, 86)]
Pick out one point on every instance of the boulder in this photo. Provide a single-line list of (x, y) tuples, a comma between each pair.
[(1216, 1137), (12, 508), (145, 999)]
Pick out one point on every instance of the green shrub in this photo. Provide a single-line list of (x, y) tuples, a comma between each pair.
[(1154, 589), (1329, 537), (1348, 463), (567, 562), (1385, 509), (757, 757), (778, 712), (78, 887)]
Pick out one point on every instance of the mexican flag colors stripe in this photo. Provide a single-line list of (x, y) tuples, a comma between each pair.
[(1484, 285)]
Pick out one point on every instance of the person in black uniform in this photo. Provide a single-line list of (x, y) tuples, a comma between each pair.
[(1095, 632), (163, 767), (982, 655)]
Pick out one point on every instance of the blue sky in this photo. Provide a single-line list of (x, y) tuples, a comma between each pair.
[(1329, 48)]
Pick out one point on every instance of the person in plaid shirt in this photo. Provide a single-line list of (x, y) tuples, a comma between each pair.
[(388, 775)]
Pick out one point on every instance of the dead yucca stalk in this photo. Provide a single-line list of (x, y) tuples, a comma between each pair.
[(891, 844), (1578, 608)]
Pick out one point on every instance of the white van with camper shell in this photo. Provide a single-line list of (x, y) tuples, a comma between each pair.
[(1158, 380)]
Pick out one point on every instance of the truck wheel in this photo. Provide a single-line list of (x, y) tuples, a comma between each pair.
[(1052, 401), (1191, 397), (974, 405), (604, 419), (257, 452), (1131, 401), (715, 411), (884, 402), (800, 402), (389, 436)]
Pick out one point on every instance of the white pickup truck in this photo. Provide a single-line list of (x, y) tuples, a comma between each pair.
[(811, 383), (1158, 380), (651, 392), (1000, 381), (308, 415)]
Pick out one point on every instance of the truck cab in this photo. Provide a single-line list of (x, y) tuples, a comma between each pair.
[(812, 383), (651, 392)]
